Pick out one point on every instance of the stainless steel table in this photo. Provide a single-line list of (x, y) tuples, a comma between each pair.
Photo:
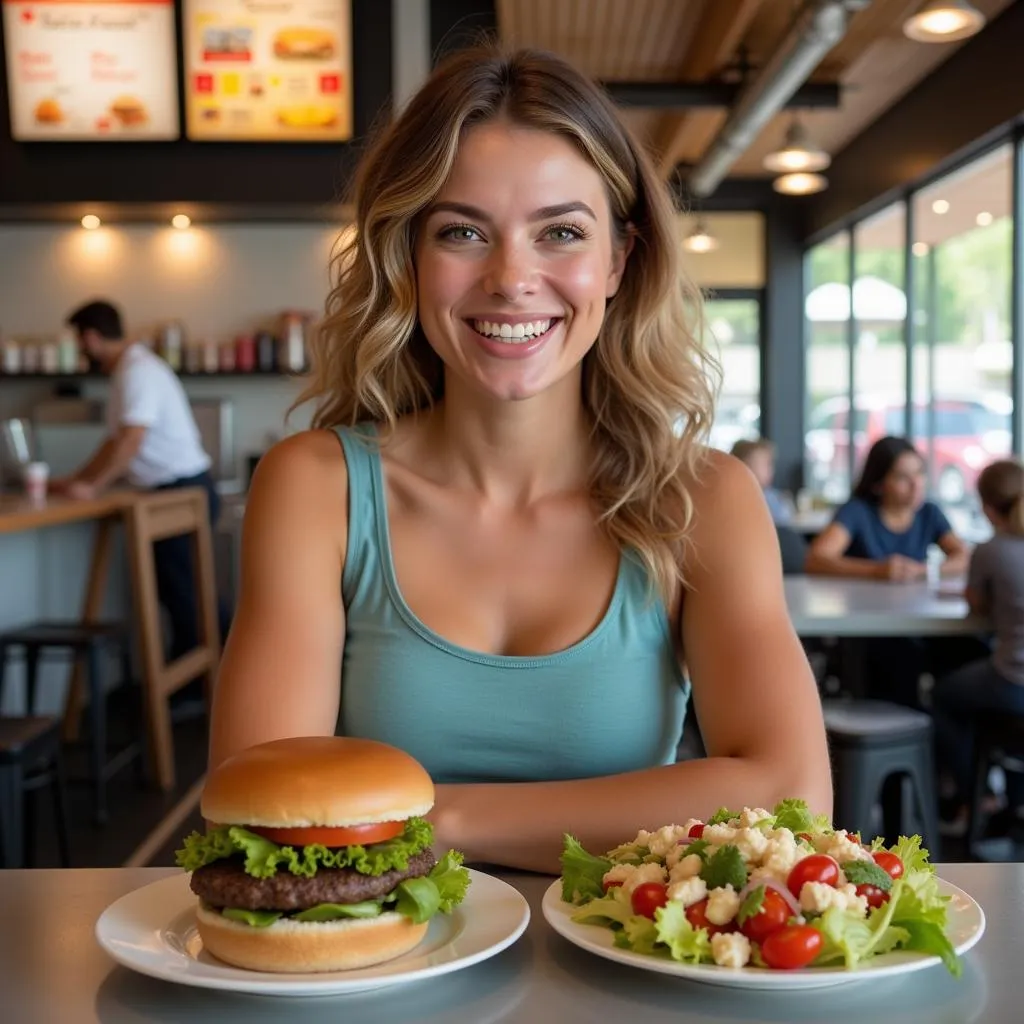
[(51, 970), (831, 606)]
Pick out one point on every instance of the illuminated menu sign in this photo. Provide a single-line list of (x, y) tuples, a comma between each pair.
[(81, 70), (268, 70)]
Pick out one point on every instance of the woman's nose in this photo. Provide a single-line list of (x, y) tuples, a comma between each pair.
[(510, 273)]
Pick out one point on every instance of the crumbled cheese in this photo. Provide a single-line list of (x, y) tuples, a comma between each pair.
[(781, 855), (688, 891), (617, 874), (730, 949), (666, 839), (752, 844), (719, 835), (723, 904), (642, 874), (687, 867), (750, 816), (853, 901), (817, 897), (842, 849)]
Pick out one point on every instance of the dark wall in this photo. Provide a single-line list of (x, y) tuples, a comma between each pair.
[(979, 89), (455, 24), (217, 172)]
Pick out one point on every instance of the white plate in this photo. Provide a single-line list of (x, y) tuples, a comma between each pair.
[(152, 930), (965, 925)]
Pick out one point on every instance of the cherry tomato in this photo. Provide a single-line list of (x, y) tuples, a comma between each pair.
[(696, 831), (806, 837), (854, 837), (610, 885), (772, 916), (889, 863), (326, 835), (648, 897), (875, 896), (796, 945), (819, 867), (697, 915)]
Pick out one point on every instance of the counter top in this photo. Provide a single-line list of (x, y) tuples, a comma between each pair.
[(18, 512)]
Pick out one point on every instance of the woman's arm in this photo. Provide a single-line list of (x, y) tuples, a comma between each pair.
[(825, 556), (753, 692), (281, 670), (956, 552)]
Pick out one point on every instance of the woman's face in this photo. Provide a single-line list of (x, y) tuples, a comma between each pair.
[(904, 485), (515, 262)]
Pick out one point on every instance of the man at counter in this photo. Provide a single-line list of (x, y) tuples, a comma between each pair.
[(153, 441)]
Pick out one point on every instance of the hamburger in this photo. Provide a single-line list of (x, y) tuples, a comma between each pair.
[(320, 859), (304, 43), (129, 110), (48, 111)]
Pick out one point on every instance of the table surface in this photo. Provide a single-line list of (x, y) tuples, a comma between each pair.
[(52, 969), (833, 606), (19, 513)]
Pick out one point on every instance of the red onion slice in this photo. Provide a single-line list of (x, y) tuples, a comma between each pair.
[(783, 891)]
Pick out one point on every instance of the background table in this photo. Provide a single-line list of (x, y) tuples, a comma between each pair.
[(831, 606), (51, 969)]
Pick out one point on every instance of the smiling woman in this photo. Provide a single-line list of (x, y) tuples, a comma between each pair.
[(504, 530)]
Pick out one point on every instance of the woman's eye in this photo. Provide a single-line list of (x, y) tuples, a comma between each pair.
[(563, 233), (459, 233)]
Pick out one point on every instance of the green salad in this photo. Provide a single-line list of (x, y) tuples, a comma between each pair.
[(779, 889)]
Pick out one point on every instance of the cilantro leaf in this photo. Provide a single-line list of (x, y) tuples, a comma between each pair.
[(721, 816), (699, 847), (582, 873), (751, 905), (866, 872), (726, 867)]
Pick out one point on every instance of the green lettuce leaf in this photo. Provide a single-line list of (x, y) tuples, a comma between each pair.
[(615, 908), (418, 899), (582, 873), (796, 816), (726, 867), (255, 918), (640, 934), (452, 881), (912, 853), (922, 913), (336, 911), (721, 816), (628, 853), (263, 857), (850, 938), (685, 943)]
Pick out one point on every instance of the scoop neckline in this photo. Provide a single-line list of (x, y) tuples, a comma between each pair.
[(415, 623)]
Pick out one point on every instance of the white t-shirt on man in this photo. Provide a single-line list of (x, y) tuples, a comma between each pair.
[(145, 392)]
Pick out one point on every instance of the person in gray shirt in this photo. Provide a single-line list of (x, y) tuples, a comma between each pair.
[(995, 587)]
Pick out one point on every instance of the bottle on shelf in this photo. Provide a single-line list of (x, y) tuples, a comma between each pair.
[(293, 343), (226, 357), (67, 351), (245, 353), (266, 359), (171, 344), (10, 356), (30, 356), (211, 360), (193, 357), (49, 356)]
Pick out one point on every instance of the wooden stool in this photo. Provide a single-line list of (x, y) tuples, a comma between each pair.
[(29, 759), (151, 518)]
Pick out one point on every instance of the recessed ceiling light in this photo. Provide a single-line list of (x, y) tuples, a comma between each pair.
[(181, 221), (984, 219), (940, 206), (919, 248), (944, 21), (90, 222), (800, 184)]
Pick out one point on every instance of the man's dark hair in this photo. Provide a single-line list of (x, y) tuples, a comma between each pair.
[(101, 317)]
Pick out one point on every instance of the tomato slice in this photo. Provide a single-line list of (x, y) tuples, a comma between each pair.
[(350, 835)]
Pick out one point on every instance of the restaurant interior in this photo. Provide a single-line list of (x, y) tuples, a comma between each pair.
[(849, 177)]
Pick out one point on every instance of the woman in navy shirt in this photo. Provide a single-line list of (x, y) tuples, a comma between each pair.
[(884, 530)]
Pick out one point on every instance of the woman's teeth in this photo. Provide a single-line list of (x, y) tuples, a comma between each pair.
[(512, 333)]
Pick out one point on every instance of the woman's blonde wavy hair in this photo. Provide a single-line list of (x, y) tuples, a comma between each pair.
[(646, 382)]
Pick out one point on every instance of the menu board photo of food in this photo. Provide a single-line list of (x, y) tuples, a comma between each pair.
[(78, 70), (268, 70)]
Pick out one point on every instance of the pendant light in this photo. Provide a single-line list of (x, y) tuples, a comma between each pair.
[(798, 153), (944, 21)]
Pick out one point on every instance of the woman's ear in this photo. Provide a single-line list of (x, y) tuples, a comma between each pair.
[(621, 249)]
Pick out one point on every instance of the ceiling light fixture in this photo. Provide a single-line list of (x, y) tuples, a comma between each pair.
[(181, 221), (919, 248), (700, 240), (800, 184), (91, 222), (984, 219), (798, 152), (941, 206), (944, 21)]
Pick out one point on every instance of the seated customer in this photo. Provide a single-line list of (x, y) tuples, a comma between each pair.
[(759, 456), (885, 529)]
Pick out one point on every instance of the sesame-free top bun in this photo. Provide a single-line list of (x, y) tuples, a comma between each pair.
[(298, 947), (317, 780)]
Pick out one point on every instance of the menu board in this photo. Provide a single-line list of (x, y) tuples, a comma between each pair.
[(268, 70), (82, 70)]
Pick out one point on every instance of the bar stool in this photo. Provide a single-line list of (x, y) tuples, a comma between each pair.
[(153, 517), (87, 641), (870, 743), (30, 758), (996, 734)]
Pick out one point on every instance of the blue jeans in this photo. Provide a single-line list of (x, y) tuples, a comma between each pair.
[(956, 699)]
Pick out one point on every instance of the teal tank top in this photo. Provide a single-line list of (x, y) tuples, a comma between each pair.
[(614, 702)]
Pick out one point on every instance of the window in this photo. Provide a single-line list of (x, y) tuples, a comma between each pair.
[(827, 314), (734, 326), (963, 350)]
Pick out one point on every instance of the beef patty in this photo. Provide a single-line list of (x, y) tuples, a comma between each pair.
[(224, 883)]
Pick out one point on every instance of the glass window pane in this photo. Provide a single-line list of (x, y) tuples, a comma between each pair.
[(962, 352), (827, 314), (734, 326)]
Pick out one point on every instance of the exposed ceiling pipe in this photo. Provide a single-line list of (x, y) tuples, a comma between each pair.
[(818, 26)]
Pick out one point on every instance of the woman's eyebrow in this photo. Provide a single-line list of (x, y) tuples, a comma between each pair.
[(544, 213)]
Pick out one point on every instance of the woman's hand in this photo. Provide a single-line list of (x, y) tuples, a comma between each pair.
[(900, 569)]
